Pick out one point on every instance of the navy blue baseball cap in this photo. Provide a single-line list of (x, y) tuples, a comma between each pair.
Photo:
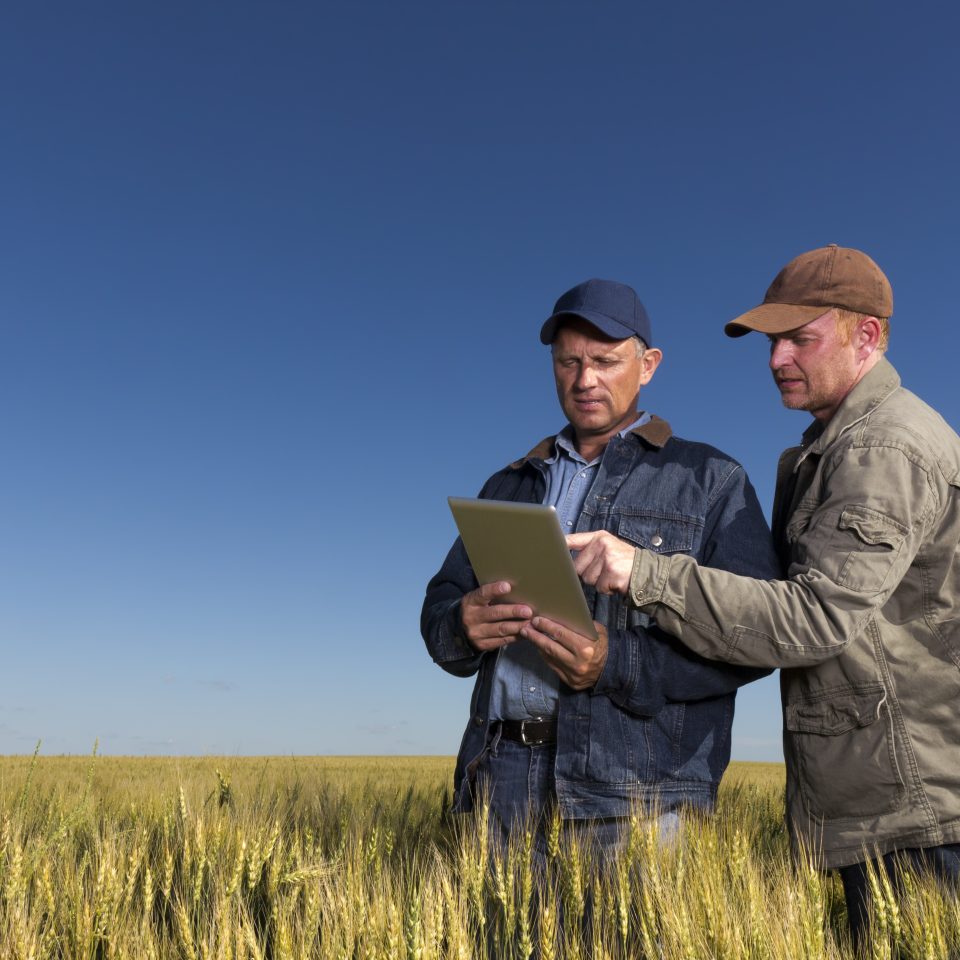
[(613, 308)]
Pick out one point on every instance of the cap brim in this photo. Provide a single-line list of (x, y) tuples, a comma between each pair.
[(606, 325), (774, 318)]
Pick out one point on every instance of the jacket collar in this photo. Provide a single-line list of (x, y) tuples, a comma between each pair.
[(861, 401), (655, 432)]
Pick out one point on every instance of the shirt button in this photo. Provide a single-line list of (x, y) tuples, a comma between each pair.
[(533, 689), (657, 540)]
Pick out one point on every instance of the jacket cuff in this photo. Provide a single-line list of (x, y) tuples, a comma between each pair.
[(452, 644), (648, 578)]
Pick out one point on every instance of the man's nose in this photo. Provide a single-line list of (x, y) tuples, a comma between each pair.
[(587, 378), (779, 354)]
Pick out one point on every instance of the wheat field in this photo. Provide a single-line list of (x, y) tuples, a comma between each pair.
[(358, 857)]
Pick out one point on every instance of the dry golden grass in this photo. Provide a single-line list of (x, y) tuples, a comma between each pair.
[(356, 857)]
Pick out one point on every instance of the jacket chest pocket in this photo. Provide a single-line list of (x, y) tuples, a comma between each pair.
[(660, 534), (844, 749), (855, 547)]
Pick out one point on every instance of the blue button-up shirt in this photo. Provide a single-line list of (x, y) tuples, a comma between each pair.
[(524, 686)]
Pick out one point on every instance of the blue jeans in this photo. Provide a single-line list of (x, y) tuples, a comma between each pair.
[(520, 785), (519, 782)]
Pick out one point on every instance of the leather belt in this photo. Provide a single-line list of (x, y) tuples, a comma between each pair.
[(529, 732)]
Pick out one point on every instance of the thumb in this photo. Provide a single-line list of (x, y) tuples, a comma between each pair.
[(577, 541)]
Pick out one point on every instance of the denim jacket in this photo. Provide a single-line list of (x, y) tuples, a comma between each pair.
[(656, 727)]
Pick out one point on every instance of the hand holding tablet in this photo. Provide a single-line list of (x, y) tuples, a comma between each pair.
[(489, 619), (522, 544)]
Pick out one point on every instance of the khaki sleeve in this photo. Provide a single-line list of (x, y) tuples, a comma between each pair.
[(848, 555)]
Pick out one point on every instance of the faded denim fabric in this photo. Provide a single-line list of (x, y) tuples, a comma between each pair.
[(655, 730), (518, 784)]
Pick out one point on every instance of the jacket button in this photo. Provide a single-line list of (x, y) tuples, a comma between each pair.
[(657, 540), (478, 721)]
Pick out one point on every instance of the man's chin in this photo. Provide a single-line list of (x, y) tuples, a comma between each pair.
[(793, 402), (590, 422)]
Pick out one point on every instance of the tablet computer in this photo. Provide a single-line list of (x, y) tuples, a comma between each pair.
[(523, 544)]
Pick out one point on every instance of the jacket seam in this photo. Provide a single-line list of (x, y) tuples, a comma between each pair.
[(719, 487)]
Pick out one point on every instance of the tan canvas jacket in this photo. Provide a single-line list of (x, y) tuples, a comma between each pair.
[(866, 628)]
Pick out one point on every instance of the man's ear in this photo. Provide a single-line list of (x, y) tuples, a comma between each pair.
[(649, 362), (867, 336)]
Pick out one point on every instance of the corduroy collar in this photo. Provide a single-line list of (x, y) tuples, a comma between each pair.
[(655, 432)]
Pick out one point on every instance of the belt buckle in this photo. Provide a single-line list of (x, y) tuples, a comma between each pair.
[(523, 732)]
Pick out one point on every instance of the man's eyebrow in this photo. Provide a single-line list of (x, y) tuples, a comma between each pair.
[(607, 350), (789, 334)]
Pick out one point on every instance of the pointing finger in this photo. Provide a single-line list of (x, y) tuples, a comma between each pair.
[(577, 541)]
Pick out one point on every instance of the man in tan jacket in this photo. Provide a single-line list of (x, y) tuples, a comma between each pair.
[(866, 625)]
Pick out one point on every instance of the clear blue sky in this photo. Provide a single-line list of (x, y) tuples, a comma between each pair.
[(271, 277)]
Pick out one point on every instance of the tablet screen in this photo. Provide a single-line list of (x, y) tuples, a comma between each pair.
[(523, 544)]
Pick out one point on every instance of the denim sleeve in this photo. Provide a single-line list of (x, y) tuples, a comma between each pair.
[(440, 617), (440, 622), (647, 668)]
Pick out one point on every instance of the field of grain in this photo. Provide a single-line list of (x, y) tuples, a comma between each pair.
[(358, 857)]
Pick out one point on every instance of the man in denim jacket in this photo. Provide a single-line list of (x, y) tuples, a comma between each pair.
[(598, 726)]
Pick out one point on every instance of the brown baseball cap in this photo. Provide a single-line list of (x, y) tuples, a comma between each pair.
[(811, 284)]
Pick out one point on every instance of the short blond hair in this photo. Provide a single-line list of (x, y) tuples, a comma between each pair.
[(847, 321)]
